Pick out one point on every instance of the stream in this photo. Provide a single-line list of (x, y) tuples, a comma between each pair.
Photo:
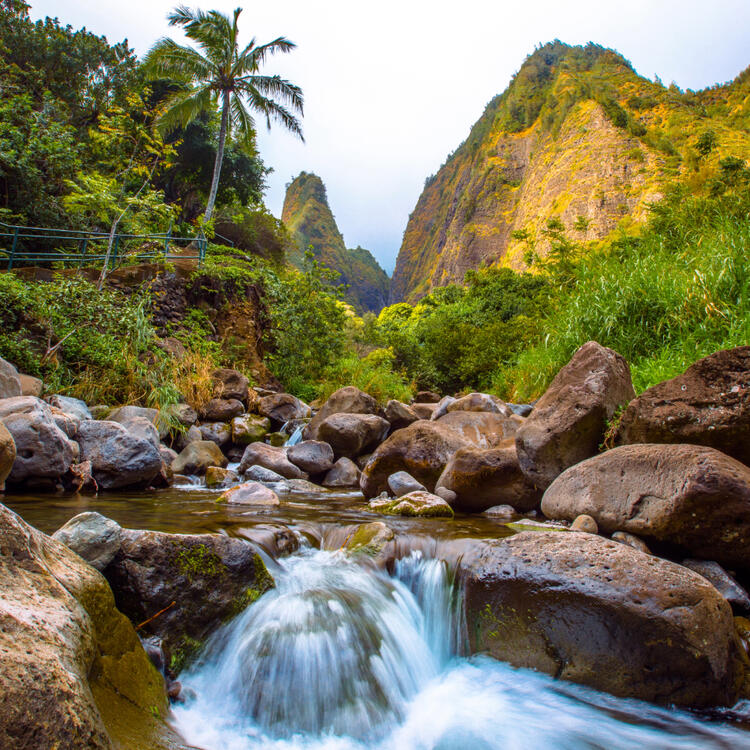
[(340, 656)]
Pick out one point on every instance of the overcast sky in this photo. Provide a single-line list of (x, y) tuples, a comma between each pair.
[(392, 87)]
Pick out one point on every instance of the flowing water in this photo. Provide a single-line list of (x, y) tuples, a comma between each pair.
[(340, 656)]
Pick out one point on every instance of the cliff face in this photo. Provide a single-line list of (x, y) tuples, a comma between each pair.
[(577, 136), (310, 221)]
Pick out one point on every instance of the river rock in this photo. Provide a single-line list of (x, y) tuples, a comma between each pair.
[(424, 411), (217, 432), (479, 402), (68, 423), (369, 539), (520, 410), (709, 404), (31, 386), (128, 412), (584, 523), (631, 540), (448, 495), (421, 449), (592, 611), (261, 474), (73, 673), (270, 457), (118, 458), (569, 420), (721, 581), (482, 429), (250, 493), (230, 384), (482, 478), (441, 408), (221, 410), (184, 414), (196, 581), (427, 397), (312, 456), (140, 427), (196, 457), (686, 495), (7, 454), (74, 406), (351, 435), (10, 383), (343, 474), (216, 476), (402, 483), (419, 503), (399, 415), (281, 407), (249, 428), (348, 400), (92, 536), (100, 411), (168, 455)]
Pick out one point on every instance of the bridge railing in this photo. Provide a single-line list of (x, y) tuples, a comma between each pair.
[(22, 246)]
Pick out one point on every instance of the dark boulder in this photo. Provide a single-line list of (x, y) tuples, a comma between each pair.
[(351, 435), (349, 400)]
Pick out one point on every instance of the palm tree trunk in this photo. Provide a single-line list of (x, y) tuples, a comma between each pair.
[(219, 155)]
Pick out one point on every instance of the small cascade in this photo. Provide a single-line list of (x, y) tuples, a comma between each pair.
[(295, 437)]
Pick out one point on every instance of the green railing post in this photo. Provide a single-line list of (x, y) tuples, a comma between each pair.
[(84, 245), (167, 237), (113, 257), (13, 246)]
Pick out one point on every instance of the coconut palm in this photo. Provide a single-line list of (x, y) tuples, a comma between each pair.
[(221, 75)]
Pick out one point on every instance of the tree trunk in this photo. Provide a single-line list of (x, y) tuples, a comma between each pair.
[(219, 155)]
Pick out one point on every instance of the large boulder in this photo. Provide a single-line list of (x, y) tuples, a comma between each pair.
[(399, 415), (592, 611), (686, 495), (124, 413), (7, 454), (142, 428), (569, 421), (217, 432), (221, 410), (422, 449), (270, 457), (418, 503), (73, 673), (92, 536), (249, 428), (351, 435), (230, 384), (196, 581), (424, 411), (344, 473), (196, 457), (709, 404), (250, 493), (183, 414), (10, 383), (312, 456), (118, 458), (74, 406), (402, 483), (31, 386), (482, 478), (482, 429), (348, 400), (427, 397), (281, 407), (479, 402)]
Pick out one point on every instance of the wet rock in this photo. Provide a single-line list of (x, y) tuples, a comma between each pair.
[(216, 476), (7, 454), (351, 435), (196, 457), (483, 478), (312, 456), (721, 581), (10, 383), (118, 458), (369, 539), (261, 474), (250, 493), (584, 523), (420, 503), (277, 439), (521, 410), (421, 449), (424, 411), (217, 432), (270, 457), (230, 384), (481, 402), (441, 408), (92, 536), (402, 483), (632, 541), (482, 429), (221, 410), (427, 397), (281, 407), (73, 406), (277, 541), (300, 486), (188, 584), (399, 415), (343, 474), (500, 511), (686, 495), (592, 611), (362, 460), (349, 400), (73, 673), (448, 495), (569, 420), (249, 428), (31, 386), (709, 404)]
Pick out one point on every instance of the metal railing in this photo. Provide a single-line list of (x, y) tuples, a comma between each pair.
[(21, 245)]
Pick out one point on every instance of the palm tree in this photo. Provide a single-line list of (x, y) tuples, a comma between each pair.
[(221, 76)]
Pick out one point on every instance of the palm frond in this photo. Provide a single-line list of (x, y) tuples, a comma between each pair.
[(252, 57), (276, 87), (272, 110), (243, 124), (184, 106), (167, 59), (213, 31)]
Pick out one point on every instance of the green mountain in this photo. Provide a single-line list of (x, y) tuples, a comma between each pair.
[(310, 221)]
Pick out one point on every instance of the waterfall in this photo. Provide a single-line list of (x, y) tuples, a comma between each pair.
[(342, 657)]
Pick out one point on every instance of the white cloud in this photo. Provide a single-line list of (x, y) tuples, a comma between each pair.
[(392, 87)]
